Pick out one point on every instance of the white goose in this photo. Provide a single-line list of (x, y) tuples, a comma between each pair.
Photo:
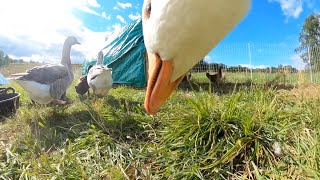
[(48, 83), (99, 78), (178, 34)]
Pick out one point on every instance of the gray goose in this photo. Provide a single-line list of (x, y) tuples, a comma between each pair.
[(49, 83)]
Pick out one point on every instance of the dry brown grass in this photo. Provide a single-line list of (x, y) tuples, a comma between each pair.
[(17, 68), (9, 133), (303, 92), (22, 67)]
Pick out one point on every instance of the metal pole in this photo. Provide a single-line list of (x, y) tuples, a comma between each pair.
[(310, 68), (249, 49)]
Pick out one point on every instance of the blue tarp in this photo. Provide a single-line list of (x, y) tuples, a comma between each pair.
[(3, 80), (124, 52)]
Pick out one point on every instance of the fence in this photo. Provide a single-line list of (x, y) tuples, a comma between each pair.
[(261, 63)]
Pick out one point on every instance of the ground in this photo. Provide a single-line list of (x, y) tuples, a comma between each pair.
[(226, 131)]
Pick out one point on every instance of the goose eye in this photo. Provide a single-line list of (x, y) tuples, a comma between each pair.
[(148, 9)]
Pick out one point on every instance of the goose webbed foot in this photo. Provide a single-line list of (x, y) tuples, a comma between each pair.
[(63, 97), (59, 102)]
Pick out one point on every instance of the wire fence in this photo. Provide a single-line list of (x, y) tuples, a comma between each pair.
[(261, 63)]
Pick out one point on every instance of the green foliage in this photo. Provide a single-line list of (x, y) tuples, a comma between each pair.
[(309, 38), (4, 59), (310, 33)]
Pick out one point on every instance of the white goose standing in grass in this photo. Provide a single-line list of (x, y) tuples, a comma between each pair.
[(99, 78), (178, 34), (48, 83)]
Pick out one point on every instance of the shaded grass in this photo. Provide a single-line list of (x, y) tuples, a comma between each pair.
[(196, 135), (60, 141)]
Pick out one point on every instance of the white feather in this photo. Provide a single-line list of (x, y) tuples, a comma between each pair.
[(40, 93)]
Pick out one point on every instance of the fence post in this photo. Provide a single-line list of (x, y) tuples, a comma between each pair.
[(310, 68), (249, 49)]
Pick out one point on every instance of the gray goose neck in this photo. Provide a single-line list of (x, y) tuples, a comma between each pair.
[(66, 61)]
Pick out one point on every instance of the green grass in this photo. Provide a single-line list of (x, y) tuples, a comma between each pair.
[(229, 134)]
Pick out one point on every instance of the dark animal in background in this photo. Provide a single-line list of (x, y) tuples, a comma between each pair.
[(217, 77), (187, 77), (82, 86)]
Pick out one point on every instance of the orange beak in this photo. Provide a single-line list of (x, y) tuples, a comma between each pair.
[(160, 86)]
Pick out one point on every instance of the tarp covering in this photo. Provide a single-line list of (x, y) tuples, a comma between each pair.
[(3, 80), (124, 52)]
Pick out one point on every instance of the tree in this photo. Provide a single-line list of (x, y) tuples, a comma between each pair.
[(1, 54), (4, 59), (1, 58), (7, 60), (310, 38)]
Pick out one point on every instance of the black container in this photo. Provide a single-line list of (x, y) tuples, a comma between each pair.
[(9, 101)]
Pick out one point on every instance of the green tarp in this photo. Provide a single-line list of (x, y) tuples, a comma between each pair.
[(124, 52)]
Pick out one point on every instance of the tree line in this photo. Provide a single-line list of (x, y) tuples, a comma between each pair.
[(5, 59), (203, 66)]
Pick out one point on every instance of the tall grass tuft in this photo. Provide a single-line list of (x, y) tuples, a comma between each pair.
[(218, 137)]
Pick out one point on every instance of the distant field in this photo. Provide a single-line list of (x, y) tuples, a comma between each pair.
[(238, 131), (22, 67), (234, 77), (261, 78)]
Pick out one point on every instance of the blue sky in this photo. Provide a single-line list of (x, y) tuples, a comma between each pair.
[(36, 29), (272, 28)]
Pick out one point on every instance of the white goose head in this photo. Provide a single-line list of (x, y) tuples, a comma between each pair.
[(178, 34), (71, 40)]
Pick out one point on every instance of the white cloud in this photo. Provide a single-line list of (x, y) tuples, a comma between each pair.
[(104, 15), (207, 59), (293, 8), (210, 59), (124, 5), (36, 29), (86, 6), (88, 10), (121, 19), (137, 6), (92, 3), (254, 66), (298, 62), (134, 17), (116, 27), (115, 8)]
